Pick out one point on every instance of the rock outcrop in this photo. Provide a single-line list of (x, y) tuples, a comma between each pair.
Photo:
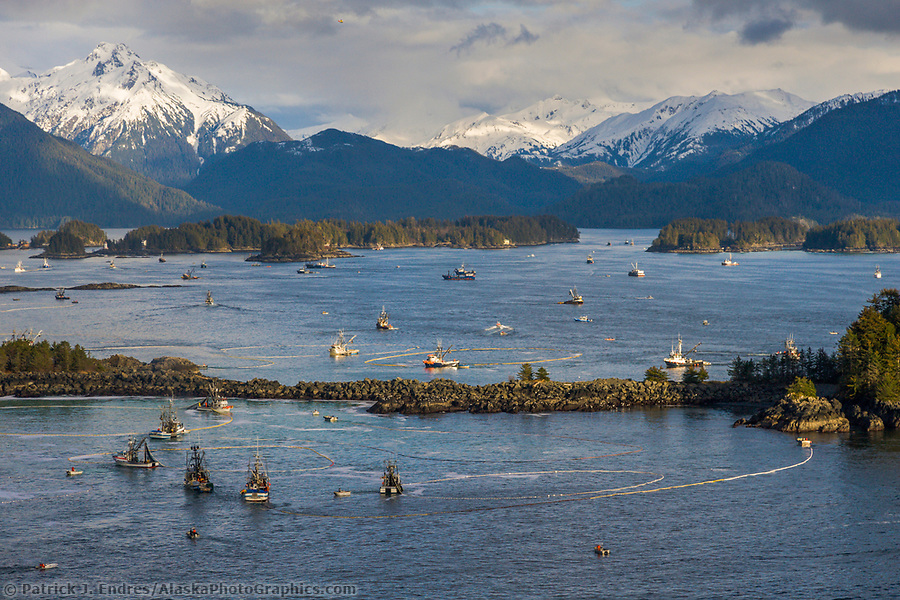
[(800, 415)]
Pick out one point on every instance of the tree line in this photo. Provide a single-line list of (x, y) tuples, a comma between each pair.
[(698, 235), (20, 355)]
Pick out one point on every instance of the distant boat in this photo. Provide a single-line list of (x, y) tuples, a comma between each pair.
[(45, 264), (790, 350), (635, 272), (45, 566), (169, 425), (500, 328), (728, 262), (341, 346), (676, 359), (583, 319), (877, 272), (19, 268), (189, 275), (132, 456), (459, 273), (209, 299), (590, 259), (214, 402), (382, 322), (390, 481), (196, 475), (438, 359), (804, 442), (161, 259), (112, 264), (574, 297), (61, 294), (72, 472), (377, 247), (330, 418), (257, 488), (320, 265), (203, 265), (301, 270), (341, 493)]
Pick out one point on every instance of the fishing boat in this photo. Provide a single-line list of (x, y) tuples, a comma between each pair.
[(590, 259), (322, 264), (257, 488), (574, 297), (330, 418), (635, 272), (19, 268), (341, 346), (72, 472), (804, 442), (133, 457), (214, 402), (193, 534), (341, 493), (112, 264), (161, 258), (877, 272), (196, 474), (599, 550), (676, 359), (500, 328), (790, 350), (189, 275), (45, 264), (382, 322), (728, 262), (203, 265), (169, 425), (459, 273), (438, 359), (61, 294), (583, 319), (209, 299), (45, 566), (390, 481), (303, 271)]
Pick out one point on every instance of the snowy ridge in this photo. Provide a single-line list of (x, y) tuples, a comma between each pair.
[(812, 115), (114, 104), (531, 132), (680, 127)]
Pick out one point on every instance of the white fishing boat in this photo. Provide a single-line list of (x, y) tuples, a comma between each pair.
[(209, 299), (45, 566), (804, 442), (341, 346), (790, 349), (877, 272), (676, 359), (134, 458), (635, 272), (438, 359), (19, 268), (728, 262), (257, 488), (390, 481), (169, 425), (214, 402), (45, 264), (583, 319), (72, 472), (341, 493), (322, 264)]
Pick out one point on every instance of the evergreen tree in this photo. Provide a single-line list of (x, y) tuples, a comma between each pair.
[(525, 373)]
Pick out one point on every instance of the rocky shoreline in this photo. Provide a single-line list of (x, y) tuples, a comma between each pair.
[(176, 377)]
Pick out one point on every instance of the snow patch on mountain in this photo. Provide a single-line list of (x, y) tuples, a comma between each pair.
[(681, 127), (137, 112), (530, 132)]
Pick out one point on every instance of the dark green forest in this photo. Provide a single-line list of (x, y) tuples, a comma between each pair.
[(22, 356), (855, 234), (699, 235), (308, 238)]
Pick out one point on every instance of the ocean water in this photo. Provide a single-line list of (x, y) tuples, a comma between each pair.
[(496, 506)]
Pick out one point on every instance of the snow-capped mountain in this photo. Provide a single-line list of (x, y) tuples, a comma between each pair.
[(682, 128), (531, 132), (139, 113), (810, 116)]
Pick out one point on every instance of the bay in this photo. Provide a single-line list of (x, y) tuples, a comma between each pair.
[(496, 506)]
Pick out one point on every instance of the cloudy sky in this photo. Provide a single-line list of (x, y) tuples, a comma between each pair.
[(408, 67)]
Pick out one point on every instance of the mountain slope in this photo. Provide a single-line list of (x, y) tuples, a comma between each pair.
[(45, 180), (343, 175), (762, 190), (854, 149), (531, 132), (681, 129), (139, 113)]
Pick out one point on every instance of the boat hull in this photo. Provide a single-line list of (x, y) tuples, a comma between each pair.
[(255, 495), (389, 490), (123, 462)]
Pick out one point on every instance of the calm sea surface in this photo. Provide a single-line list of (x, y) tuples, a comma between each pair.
[(497, 506)]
